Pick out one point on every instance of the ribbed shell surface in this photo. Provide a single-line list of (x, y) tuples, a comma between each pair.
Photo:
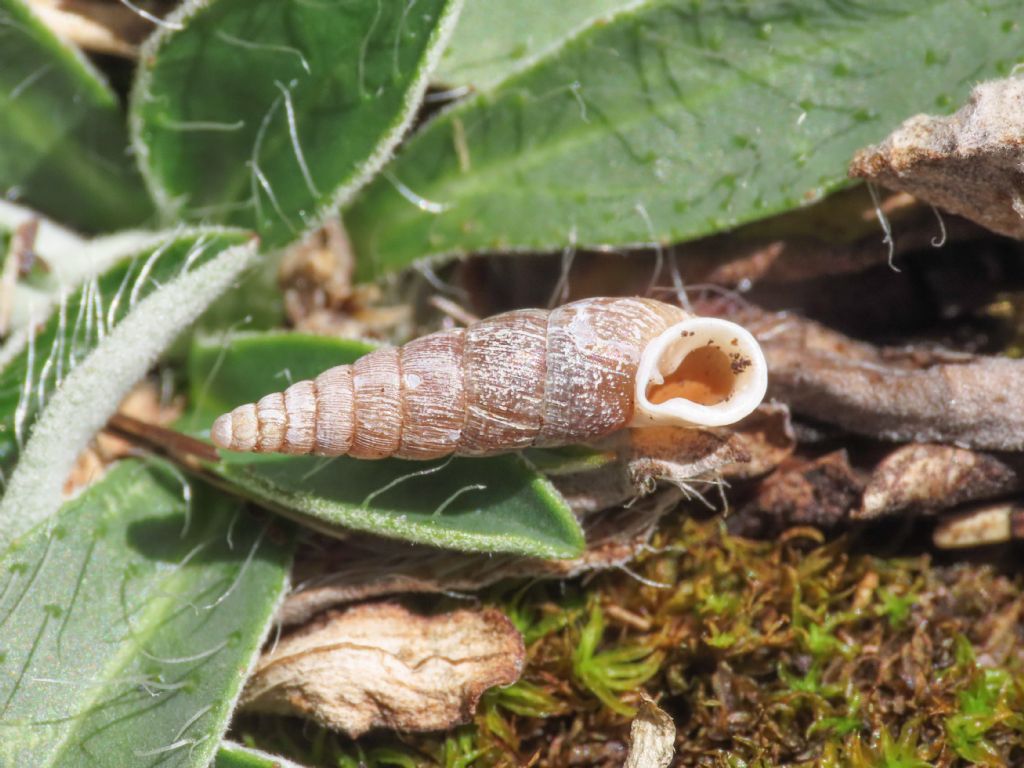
[(522, 378), (593, 350)]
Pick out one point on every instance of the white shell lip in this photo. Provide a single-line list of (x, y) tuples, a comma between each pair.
[(665, 352)]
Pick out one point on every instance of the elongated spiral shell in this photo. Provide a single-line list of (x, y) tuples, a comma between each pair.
[(530, 377)]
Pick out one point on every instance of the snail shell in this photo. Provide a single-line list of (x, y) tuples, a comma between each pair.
[(530, 377)]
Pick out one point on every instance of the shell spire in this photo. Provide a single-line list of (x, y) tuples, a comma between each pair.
[(523, 378)]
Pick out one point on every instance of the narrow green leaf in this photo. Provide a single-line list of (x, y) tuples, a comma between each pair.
[(497, 505), (496, 38), (232, 755), (269, 113), (73, 370), (675, 120), (63, 141), (129, 621)]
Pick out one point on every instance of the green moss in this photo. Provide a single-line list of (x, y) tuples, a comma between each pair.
[(791, 652), (606, 674)]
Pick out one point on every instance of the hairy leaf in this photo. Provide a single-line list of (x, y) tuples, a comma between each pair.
[(269, 113), (75, 368), (231, 755), (496, 504), (62, 134), (675, 120), (129, 621), (496, 38)]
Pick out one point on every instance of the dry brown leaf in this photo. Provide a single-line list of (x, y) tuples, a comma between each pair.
[(652, 737), (144, 403), (928, 478), (906, 395), (985, 524), (970, 163), (821, 492), (381, 665), (765, 438), (319, 295), (330, 572), (1001, 631)]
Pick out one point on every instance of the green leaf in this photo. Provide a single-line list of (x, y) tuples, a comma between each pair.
[(128, 623), (63, 142), (496, 38), (232, 755), (569, 459), (73, 370), (499, 504), (269, 113), (675, 120)]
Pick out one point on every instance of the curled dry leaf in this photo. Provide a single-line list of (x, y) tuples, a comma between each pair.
[(380, 665), (329, 573), (652, 737), (969, 163), (928, 477), (982, 525), (913, 394)]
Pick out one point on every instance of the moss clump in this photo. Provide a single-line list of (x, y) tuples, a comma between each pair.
[(795, 652)]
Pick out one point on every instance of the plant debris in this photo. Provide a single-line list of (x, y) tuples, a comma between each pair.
[(983, 525), (145, 403), (921, 478), (765, 439), (819, 492), (968, 163), (315, 276), (652, 738), (789, 651), (382, 665), (909, 394)]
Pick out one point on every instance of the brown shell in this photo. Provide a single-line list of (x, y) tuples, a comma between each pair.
[(522, 378)]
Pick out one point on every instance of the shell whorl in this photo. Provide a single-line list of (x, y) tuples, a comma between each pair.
[(522, 378)]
